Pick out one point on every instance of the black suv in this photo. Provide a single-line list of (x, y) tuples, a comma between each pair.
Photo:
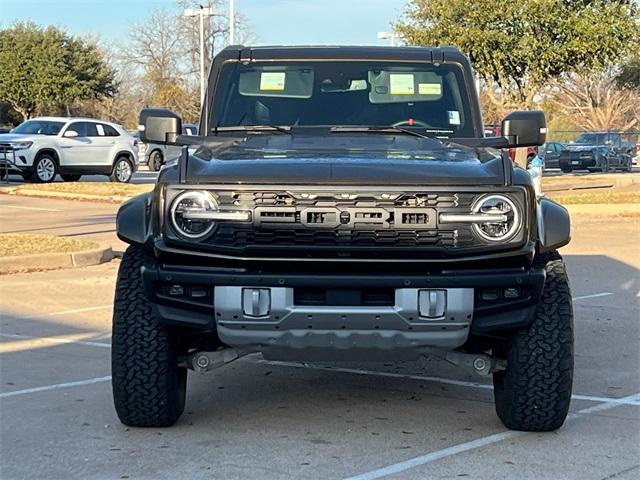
[(341, 203), (597, 152)]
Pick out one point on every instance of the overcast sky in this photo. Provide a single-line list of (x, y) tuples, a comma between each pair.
[(272, 21)]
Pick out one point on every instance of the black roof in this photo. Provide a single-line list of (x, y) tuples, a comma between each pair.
[(346, 52)]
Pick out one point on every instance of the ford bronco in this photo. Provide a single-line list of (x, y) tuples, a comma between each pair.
[(342, 203)]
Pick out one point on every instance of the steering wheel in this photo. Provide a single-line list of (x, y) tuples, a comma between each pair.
[(405, 123)]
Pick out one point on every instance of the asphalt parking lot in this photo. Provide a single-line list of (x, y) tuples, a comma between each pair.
[(259, 420)]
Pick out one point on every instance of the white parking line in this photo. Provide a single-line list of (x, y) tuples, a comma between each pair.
[(472, 445), (90, 381), (31, 208), (595, 295), (446, 381), (73, 338), (66, 312)]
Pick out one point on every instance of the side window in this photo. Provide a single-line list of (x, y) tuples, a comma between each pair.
[(92, 130), (110, 131), (189, 131), (79, 128)]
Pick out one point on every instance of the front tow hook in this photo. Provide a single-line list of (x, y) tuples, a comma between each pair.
[(481, 364), (202, 362)]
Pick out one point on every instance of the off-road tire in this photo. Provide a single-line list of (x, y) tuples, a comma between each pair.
[(534, 392), (68, 177), (148, 386)]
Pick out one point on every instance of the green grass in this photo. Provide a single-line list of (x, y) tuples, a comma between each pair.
[(598, 198), (12, 244)]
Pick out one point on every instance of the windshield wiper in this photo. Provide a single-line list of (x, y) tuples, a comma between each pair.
[(380, 129), (255, 128)]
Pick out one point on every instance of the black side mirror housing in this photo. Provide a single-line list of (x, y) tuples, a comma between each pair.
[(525, 128), (160, 126)]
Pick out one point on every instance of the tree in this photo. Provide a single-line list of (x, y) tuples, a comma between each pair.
[(45, 70), (518, 46), (164, 49), (596, 102), (629, 76)]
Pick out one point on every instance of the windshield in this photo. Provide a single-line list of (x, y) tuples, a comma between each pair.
[(591, 138), (430, 99), (39, 127)]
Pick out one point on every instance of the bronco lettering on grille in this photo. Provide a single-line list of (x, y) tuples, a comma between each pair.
[(347, 218)]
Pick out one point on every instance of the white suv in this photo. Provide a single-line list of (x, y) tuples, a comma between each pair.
[(42, 147)]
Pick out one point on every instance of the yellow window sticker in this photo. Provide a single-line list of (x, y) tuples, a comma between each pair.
[(429, 89), (401, 84), (273, 81)]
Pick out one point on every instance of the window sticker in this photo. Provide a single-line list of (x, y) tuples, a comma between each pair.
[(429, 89), (273, 81), (454, 117), (401, 84)]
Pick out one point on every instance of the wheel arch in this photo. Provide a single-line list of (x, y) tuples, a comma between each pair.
[(48, 150), (554, 225), (124, 153), (133, 220)]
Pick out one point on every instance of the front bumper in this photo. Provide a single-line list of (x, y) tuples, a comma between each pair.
[(578, 161), (344, 316), (16, 160)]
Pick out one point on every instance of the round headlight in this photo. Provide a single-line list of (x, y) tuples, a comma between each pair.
[(184, 212), (497, 231)]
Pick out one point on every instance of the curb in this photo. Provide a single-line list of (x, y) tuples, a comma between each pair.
[(67, 196), (51, 261), (603, 209), (587, 184)]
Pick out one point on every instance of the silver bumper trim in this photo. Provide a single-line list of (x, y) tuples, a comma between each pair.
[(410, 323)]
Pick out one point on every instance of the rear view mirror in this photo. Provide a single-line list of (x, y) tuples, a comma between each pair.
[(160, 126), (70, 134), (526, 128)]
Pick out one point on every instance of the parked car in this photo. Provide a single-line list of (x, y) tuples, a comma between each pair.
[(155, 156), (597, 152), (42, 147), (550, 154), (327, 216)]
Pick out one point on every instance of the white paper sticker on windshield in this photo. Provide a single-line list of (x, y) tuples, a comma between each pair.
[(273, 81), (454, 117), (401, 84), (429, 89)]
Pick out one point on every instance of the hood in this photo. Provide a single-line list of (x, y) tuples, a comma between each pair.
[(17, 137), (369, 161), (580, 147)]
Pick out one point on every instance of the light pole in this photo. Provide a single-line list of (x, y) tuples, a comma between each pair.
[(200, 12), (232, 22), (391, 36)]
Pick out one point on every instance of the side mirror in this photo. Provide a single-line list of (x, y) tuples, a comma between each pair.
[(526, 128), (160, 126), (70, 134)]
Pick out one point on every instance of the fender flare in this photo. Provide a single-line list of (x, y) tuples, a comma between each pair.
[(133, 220), (554, 225)]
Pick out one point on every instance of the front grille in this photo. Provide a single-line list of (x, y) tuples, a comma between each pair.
[(368, 297), (239, 238), (341, 222)]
